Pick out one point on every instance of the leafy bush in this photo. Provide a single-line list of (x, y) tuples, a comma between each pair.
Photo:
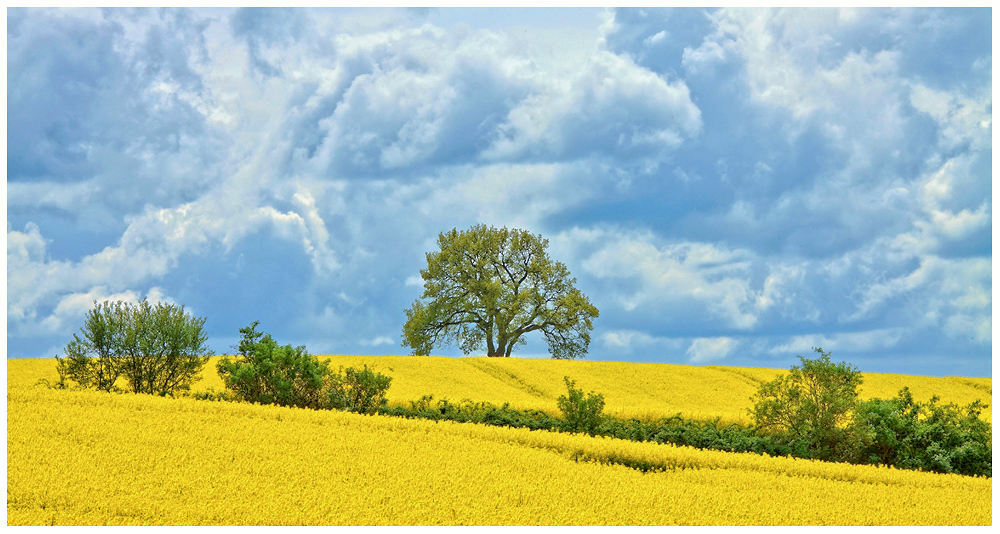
[(361, 391), (157, 349), (926, 436), (810, 406), (267, 373), (468, 411), (212, 395), (581, 414), (814, 412)]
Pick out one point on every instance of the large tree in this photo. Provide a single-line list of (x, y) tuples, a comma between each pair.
[(489, 286)]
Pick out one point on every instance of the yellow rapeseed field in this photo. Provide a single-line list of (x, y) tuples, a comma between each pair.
[(642, 390), (90, 458), (95, 458)]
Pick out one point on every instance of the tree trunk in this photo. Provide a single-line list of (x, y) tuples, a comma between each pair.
[(500, 351)]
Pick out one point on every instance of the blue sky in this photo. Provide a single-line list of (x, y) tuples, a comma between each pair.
[(729, 187)]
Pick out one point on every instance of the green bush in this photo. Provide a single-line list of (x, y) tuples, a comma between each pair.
[(361, 391), (212, 395), (927, 436), (580, 414), (267, 373), (810, 407), (882, 428), (468, 411), (158, 349), (814, 412)]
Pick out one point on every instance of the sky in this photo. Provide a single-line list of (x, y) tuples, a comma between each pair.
[(728, 186)]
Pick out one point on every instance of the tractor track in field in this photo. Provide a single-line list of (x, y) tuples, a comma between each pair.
[(506, 377)]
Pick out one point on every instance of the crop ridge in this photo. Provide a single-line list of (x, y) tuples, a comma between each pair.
[(744, 375), (505, 376), (988, 389)]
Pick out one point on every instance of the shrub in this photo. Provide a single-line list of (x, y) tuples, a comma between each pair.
[(580, 414), (952, 439), (811, 406), (212, 395), (881, 428), (267, 373), (927, 436), (158, 349), (361, 391), (814, 412), (468, 411)]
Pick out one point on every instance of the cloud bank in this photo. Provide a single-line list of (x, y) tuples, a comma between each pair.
[(729, 186)]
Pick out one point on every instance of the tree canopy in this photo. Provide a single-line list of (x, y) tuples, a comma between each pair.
[(489, 286)]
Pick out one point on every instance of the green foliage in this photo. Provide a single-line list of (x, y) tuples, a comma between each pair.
[(468, 411), (157, 349), (811, 405), (881, 428), (64, 377), (268, 373), (492, 286), (928, 436), (212, 395), (361, 391), (713, 436), (675, 430), (581, 413), (814, 412)]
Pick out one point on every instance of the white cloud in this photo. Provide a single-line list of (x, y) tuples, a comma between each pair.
[(68, 314), (66, 197), (517, 195), (152, 245), (872, 340), (978, 328), (809, 66), (699, 278), (655, 38), (627, 339), (23, 249), (704, 349), (961, 118), (941, 290), (637, 343), (783, 289), (945, 197), (610, 106), (380, 340)]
